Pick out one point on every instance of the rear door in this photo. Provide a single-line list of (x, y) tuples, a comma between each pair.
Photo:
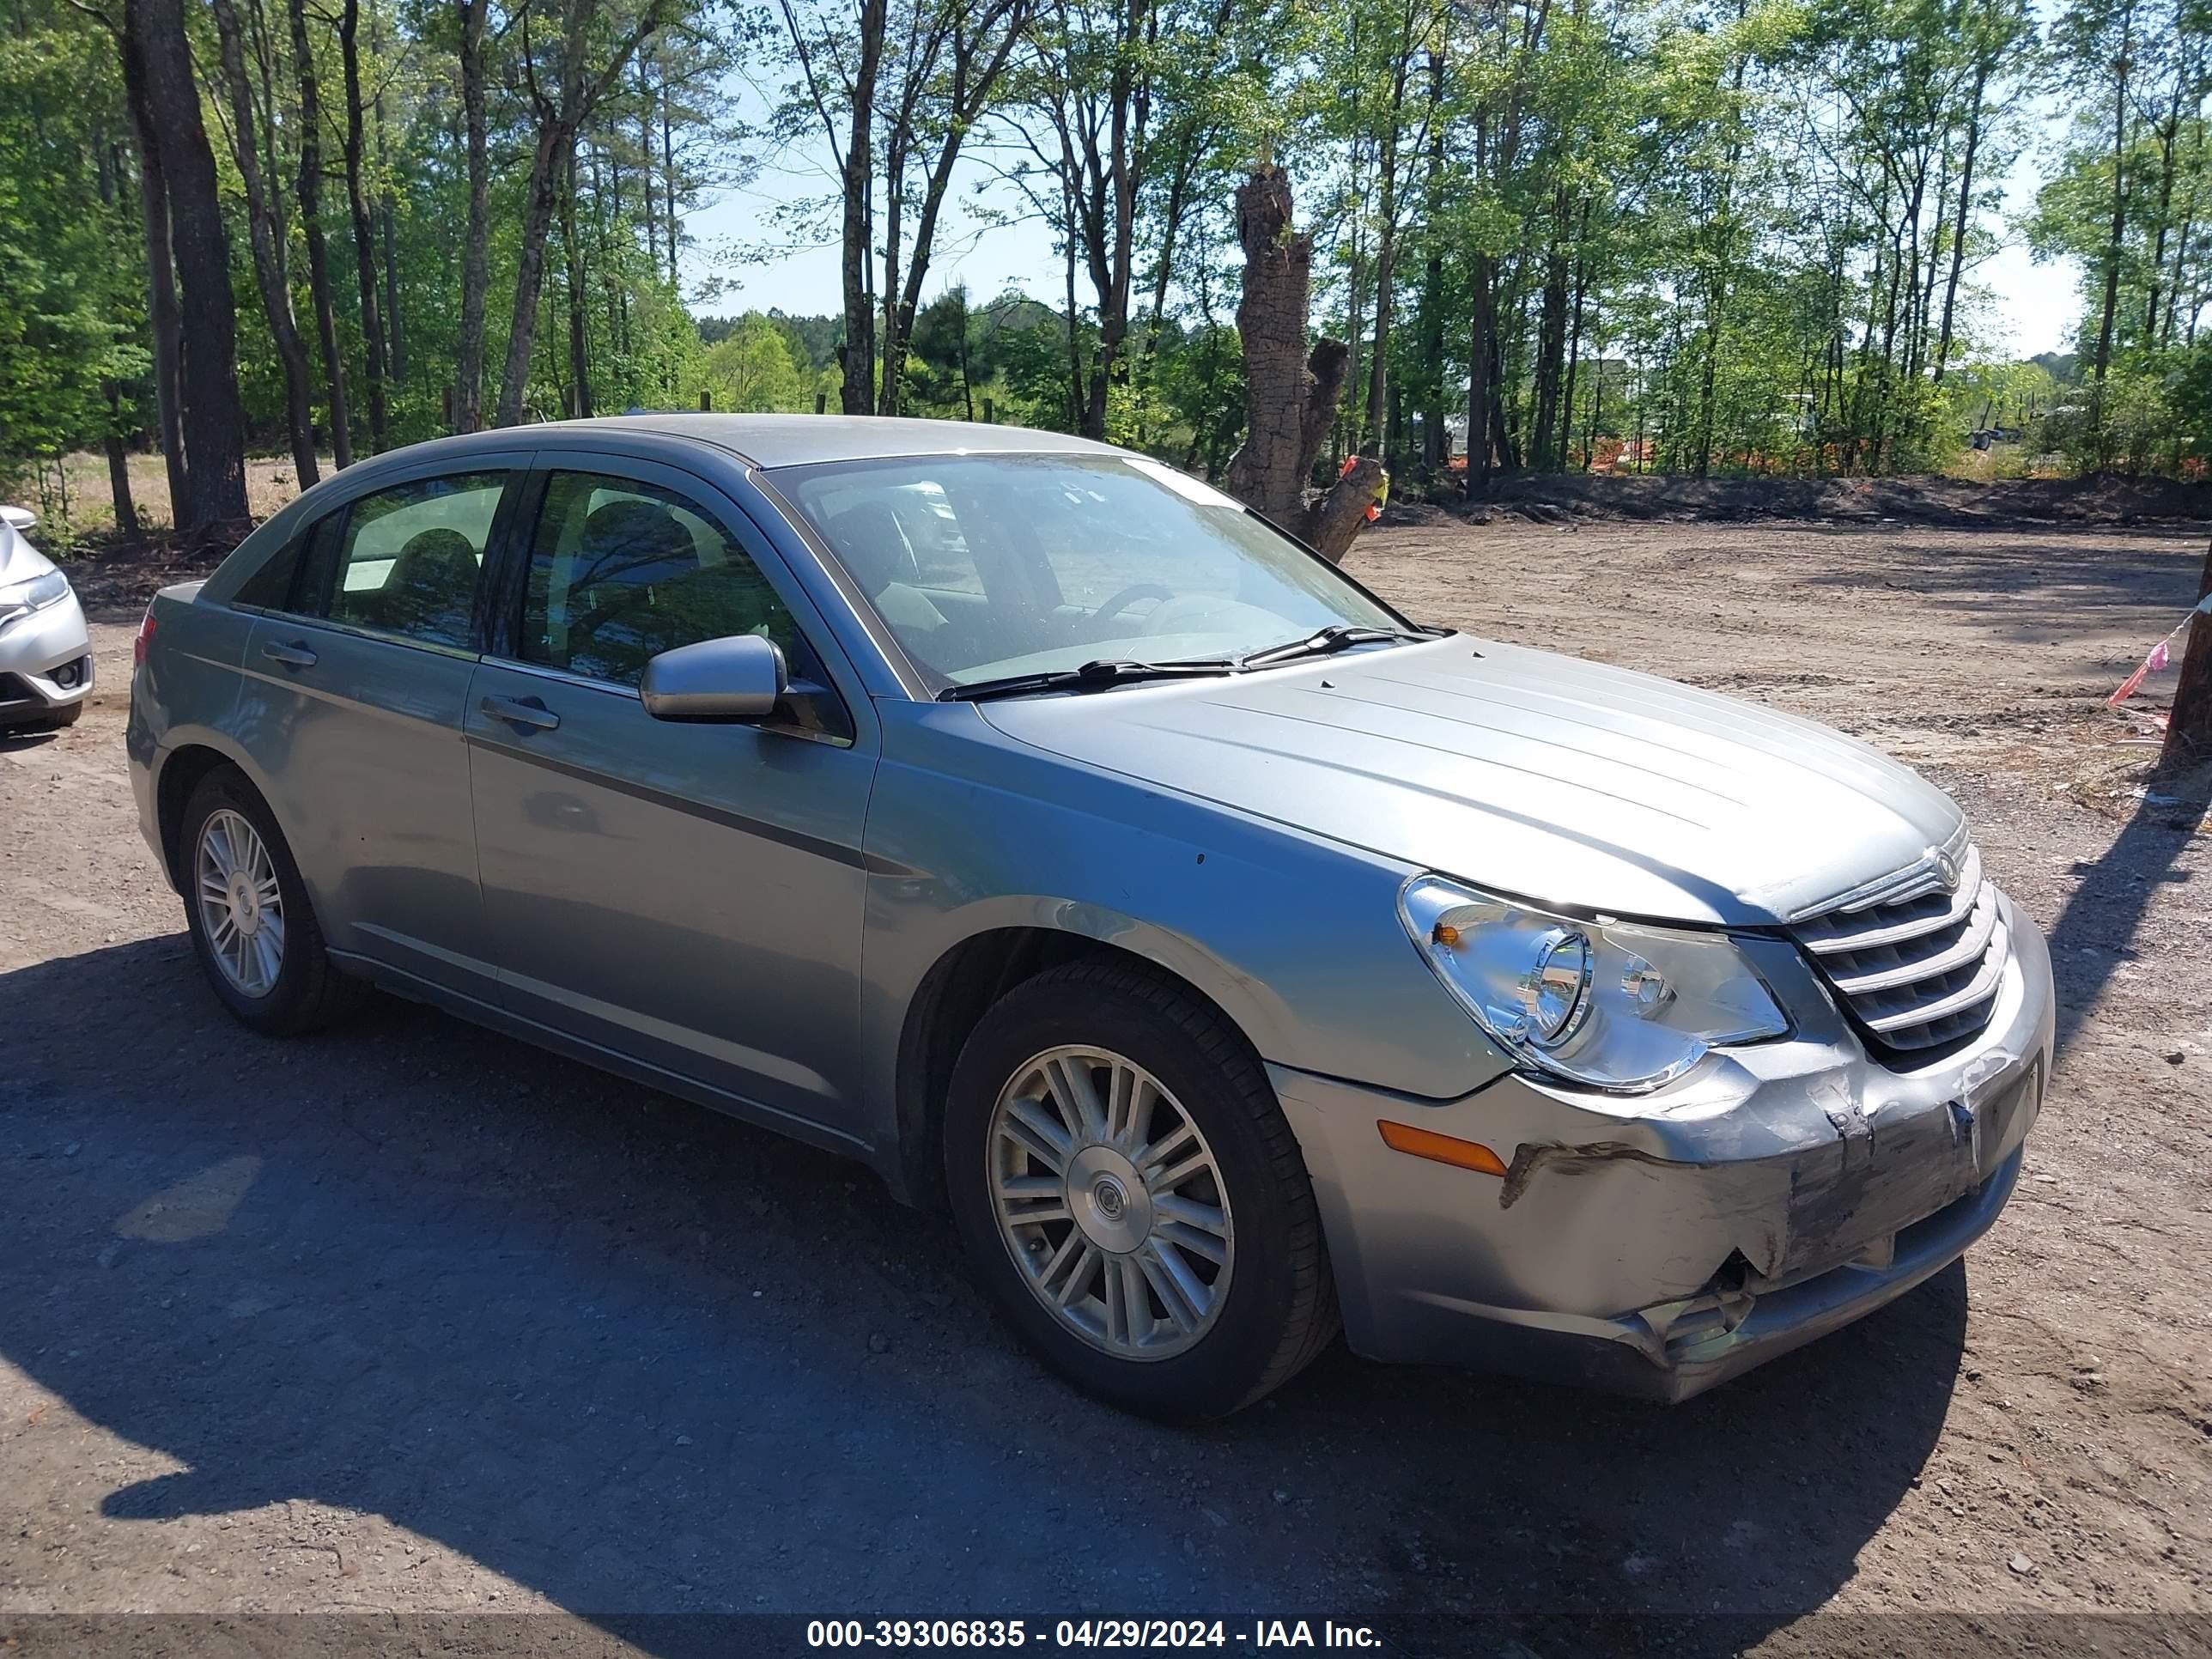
[(688, 895), (356, 678)]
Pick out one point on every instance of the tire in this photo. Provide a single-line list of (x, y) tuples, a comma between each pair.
[(1270, 1306), (69, 716), (304, 991)]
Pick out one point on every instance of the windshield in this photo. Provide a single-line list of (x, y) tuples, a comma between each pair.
[(987, 565)]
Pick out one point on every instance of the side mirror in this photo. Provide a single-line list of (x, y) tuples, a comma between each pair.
[(736, 681), (18, 518)]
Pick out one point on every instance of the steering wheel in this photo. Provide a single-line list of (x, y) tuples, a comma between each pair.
[(1128, 596)]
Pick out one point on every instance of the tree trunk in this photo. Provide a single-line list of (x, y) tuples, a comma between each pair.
[(1552, 341), (2114, 247), (1386, 260), (268, 258), (891, 347), (857, 394), (668, 182), (385, 230), (1269, 472), (1574, 353), (2162, 216), (1290, 398), (972, 85), (1436, 447), (468, 385), (2189, 729), (214, 419), (1482, 333), (160, 278), (645, 149), (1966, 221), (1074, 340), (364, 236), (529, 275), (311, 227), (572, 259), (118, 466)]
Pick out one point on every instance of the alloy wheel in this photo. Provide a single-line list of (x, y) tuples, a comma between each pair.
[(241, 904), (1111, 1202)]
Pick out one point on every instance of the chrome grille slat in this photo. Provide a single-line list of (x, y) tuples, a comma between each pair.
[(1917, 966), (1979, 989), (1981, 922)]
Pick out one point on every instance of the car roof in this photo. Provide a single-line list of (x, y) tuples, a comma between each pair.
[(774, 440)]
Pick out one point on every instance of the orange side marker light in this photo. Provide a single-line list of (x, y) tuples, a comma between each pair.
[(1441, 1149)]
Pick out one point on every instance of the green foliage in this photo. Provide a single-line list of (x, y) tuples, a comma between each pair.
[(2127, 204), (750, 370), (69, 307)]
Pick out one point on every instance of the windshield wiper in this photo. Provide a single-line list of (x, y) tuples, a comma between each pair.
[(1334, 638), (1090, 676)]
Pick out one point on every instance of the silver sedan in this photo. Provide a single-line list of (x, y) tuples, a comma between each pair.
[(46, 652), (1238, 958)]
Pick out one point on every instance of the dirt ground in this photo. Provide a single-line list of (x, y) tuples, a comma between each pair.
[(410, 1318)]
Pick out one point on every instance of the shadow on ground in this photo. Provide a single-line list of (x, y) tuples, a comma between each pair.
[(643, 1359), (2037, 588), (2095, 932)]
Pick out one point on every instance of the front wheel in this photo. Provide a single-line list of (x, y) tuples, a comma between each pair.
[(1129, 1191)]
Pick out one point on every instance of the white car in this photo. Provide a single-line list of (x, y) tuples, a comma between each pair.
[(46, 652)]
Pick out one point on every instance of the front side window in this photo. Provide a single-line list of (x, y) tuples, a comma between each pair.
[(406, 559), (621, 571), (985, 567)]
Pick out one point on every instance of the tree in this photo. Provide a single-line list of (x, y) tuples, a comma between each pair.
[(311, 236), (213, 420), (840, 51), (751, 369), (364, 233), (580, 66), (954, 56), (1290, 397), (476, 258), (249, 132)]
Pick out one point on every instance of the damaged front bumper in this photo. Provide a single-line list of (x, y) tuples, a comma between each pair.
[(1660, 1244)]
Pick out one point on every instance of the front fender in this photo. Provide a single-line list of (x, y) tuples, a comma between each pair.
[(1294, 936)]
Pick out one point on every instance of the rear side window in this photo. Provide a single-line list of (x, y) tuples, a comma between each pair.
[(621, 571), (270, 588), (406, 561)]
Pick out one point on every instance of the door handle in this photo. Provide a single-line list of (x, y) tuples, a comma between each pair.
[(518, 711), (295, 655)]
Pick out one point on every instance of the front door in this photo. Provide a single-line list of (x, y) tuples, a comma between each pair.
[(356, 678), (688, 895)]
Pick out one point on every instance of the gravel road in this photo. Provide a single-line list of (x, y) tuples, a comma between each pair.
[(410, 1318)]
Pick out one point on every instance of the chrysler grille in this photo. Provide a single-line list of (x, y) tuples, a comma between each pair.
[(1916, 962)]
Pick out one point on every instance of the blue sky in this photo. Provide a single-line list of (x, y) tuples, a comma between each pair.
[(2035, 306)]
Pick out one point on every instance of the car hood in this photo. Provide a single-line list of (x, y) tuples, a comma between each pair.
[(1541, 776)]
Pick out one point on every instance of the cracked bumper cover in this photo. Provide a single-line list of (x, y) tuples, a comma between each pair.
[(1660, 1244)]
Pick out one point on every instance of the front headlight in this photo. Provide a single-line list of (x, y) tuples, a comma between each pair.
[(1609, 1004), (20, 599)]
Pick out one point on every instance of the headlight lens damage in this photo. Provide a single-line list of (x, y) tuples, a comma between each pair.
[(1608, 1004)]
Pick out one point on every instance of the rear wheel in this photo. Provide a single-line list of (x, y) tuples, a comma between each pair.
[(1129, 1191), (251, 923)]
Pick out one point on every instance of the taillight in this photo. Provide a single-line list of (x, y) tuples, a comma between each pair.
[(145, 637)]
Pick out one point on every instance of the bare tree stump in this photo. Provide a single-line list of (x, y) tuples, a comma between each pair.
[(1290, 394), (2189, 727)]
